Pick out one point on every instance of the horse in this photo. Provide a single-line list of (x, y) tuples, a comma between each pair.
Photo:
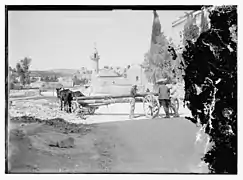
[(66, 97)]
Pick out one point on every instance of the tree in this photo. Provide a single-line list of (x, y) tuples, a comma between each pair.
[(211, 87), (191, 30), (157, 61), (55, 78), (147, 67), (47, 79), (23, 70)]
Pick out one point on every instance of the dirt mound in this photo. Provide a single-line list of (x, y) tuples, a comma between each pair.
[(58, 123), (67, 127), (37, 145), (42, 109), (25, 119), (65, 143)]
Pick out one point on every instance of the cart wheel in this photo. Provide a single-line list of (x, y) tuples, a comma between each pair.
[(151, 106), (75, 106), (91, 110)]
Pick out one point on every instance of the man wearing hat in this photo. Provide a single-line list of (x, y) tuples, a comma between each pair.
[(164, 96), (132, 101)]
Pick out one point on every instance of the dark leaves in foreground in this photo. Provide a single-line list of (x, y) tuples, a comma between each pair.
[(211, 86)]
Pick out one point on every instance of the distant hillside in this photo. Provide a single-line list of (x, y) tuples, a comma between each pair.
[(53, 72), (64, 71)]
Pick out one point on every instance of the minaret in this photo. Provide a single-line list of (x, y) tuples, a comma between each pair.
[(95, 60)]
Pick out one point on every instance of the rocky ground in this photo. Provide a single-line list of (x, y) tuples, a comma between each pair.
[(44, 139)]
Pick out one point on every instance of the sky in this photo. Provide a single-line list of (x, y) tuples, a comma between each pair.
[(65, 39)]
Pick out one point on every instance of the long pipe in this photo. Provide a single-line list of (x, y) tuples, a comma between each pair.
[(112, 97), (108, 101)]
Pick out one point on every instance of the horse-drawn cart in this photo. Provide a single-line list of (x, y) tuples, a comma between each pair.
[(88, 105)]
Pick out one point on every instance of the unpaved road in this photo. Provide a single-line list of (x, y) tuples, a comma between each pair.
[(154, 146), (132, 146), (146, 146)]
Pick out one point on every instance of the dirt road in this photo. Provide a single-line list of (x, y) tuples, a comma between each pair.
[(158, 145), (106, 143), (145, 146)]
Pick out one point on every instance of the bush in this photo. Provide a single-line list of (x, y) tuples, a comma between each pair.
[(211, 87)]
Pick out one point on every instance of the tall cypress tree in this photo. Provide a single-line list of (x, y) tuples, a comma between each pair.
[(158, 59)]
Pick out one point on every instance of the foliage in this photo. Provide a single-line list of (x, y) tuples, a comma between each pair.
[(13, 75), (211, 86), (157, 62), (79, 81), (191, 30), (49, 78), (23, 70)]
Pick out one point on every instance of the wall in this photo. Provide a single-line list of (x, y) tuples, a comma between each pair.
[(109, 80), (115, 89), (136, 71), (105, 85)]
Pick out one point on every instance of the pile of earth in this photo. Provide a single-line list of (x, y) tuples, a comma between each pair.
[(36, 145), (57, 123), (42, 109)]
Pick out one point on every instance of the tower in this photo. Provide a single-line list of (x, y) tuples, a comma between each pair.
[(95, 60)]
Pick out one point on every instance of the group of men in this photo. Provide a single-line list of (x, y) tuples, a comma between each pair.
[(167, 95)]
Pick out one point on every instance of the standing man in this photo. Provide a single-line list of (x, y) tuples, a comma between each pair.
[(173, 97), (164, 96), (132, 101)]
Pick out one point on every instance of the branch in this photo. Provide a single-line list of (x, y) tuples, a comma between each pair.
[(221, 39), (210, 46)]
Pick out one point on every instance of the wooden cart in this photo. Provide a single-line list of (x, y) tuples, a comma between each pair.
[(88, 105)]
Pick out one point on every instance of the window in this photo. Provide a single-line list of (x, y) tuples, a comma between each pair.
[(137, 78)]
